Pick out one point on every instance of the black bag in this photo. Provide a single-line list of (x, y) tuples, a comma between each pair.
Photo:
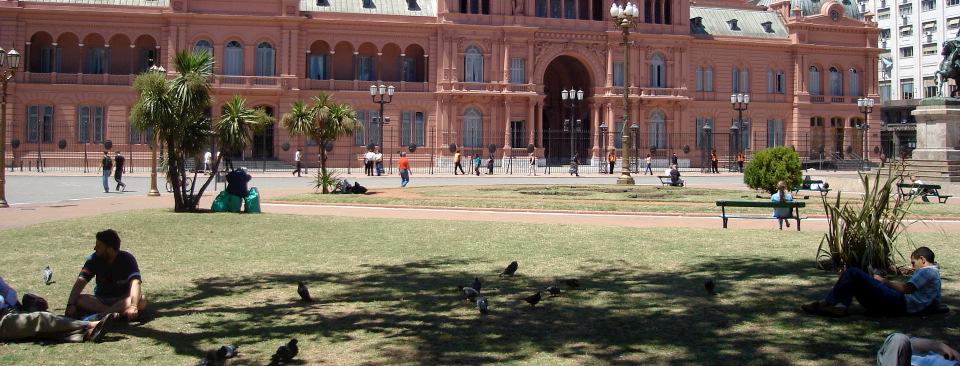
[(32, 303), (358, 189)]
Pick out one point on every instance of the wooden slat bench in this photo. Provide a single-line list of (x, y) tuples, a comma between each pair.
[(668, 181), (908, 190), (793, 205)]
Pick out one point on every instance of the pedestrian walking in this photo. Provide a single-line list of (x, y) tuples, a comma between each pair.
[(207, 161), (490, 165), (611, 160), (740, 160), (368, 159), (403, 165), (477, 160), (118, 172), (533, 165), (378, 159), (714, 161), (107, 165), (297, 156), (456, 163), (674, 160), (649, 165), (574, 166)]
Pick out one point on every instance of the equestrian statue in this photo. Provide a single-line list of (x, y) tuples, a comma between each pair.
[(950, 66)]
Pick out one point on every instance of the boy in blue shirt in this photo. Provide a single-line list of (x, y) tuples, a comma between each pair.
[(118, 281)]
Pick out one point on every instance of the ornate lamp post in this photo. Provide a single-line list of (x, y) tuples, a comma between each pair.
[(385, 94), (571, 100), (740, 103), (153, 149), (707, 142), (866, 107), (603, 148), (624, 18), (9, 62), (634, 129)]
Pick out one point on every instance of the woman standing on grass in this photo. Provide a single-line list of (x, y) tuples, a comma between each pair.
[(783, 214)]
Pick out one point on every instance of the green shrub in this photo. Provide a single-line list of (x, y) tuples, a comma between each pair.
[(769, 166)]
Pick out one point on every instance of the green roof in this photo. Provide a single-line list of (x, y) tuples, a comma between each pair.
[(426, 8), (717, 22), (149, 3)]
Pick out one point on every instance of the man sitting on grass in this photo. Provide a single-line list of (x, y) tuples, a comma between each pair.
[(878, 295), (118, 282), (16, 325)]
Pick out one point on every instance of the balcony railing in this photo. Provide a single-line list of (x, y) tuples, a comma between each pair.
[(71, 78), (250, 82)]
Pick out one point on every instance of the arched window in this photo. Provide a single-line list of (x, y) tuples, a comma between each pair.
[(658, 70), (699, 78), (744, 84), (265, 59), (473, 65), (233, 59), (203, 46), (814, 82), (657, 131), (708, 79), (854, 82), (472, 128), (735, 80), (836, 82)]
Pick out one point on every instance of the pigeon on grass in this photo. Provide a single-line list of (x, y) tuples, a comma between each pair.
[(510, 270), (304, 292)]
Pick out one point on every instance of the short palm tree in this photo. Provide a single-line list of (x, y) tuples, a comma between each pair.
[(323, 121)]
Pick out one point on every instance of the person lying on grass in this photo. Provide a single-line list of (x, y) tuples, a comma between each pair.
[(878, 295), (18, 325), (902, 350), (118, 282)]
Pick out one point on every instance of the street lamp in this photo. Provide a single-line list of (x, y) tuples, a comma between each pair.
[(707, 142), (571, 100), (866, 107), (154, 192), (623, 18), (634, 128), (386, 96), (9, 62), (603, 150), (740, 103)]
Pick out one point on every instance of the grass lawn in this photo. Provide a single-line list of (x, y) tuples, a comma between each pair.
[(386, 293), (587, 198)]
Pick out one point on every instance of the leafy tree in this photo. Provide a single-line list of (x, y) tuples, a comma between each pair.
[(324, 121), (769, 166)]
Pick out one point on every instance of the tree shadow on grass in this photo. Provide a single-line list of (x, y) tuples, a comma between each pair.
[(622, 314)]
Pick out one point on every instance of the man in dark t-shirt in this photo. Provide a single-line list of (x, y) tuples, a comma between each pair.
[(118, 173), (118, 281)]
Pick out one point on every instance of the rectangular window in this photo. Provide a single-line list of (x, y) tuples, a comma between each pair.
[(775, 133), (953, 23), (83, 125), (40, 123), (930, 49), (359, 135), (885, 33), (50, 59), (781, 83), (517, 70), (554, 8), (365, 68), (99, 125), (702, 121), (618, 74), (930, 26), (373, 134), (517, 134), (906, 88), (409, 69), (953, 2), (884, 91), (98, 60), (568, 9), (906, 9), (406, 128), (744, 132), (233, 61), (770, 82), (906, 51), (699, 77), (708, 83), (318, 67), (419, 128), (906, 31), (928, 5), (617, 142), (541, 6), (883, 14), (929, 87)]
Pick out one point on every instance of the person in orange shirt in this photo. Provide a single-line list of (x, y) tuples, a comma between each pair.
[(740, 159), (404, 166)]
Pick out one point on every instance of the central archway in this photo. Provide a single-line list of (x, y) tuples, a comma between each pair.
[(559, 142)]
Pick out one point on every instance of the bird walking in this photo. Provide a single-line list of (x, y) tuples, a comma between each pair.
[(533, 299), (285, 353), (476, 284), (483, 305), (47, 275), (510, 270), (304, 292), (468, 293), (553, 290), (710, 286), (228, 351)]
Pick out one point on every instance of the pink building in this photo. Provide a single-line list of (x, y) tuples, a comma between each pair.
[(468, 72)]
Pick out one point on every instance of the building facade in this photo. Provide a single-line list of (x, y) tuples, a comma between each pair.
[(470, 73)]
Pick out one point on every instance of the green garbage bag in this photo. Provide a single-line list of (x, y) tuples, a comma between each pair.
[(226, 202), (252, 202)]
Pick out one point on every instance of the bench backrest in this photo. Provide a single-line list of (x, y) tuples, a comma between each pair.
[(919, 186), (770, 204)]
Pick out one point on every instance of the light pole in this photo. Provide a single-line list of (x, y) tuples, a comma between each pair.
[(634, 129), (9, 62), (603, 149), (740, 103), (866, 107), (623, 18), (706, 141), (385, 94), (154, 192), (571, 99)]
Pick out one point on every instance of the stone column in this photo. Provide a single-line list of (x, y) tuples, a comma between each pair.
[(506, 125), (531, 117), (937, 156)]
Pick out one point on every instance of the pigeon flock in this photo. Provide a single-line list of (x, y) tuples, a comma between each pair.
[(474, 294)]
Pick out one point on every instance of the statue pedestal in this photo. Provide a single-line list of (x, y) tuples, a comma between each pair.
[(937, 156)]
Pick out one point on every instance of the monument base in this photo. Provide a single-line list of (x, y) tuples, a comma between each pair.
[(937, 156)]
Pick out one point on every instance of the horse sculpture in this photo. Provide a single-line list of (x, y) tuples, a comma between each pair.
[(950, 66)]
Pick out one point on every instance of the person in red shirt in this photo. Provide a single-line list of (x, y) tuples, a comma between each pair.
[(404, 166)]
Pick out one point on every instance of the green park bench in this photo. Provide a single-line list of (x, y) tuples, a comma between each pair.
[(909, 190), (793, 205)]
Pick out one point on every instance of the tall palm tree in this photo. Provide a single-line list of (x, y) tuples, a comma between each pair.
[(176, 110), (323, 121)]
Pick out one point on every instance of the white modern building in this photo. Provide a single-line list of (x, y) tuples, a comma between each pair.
[(911, 34)]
